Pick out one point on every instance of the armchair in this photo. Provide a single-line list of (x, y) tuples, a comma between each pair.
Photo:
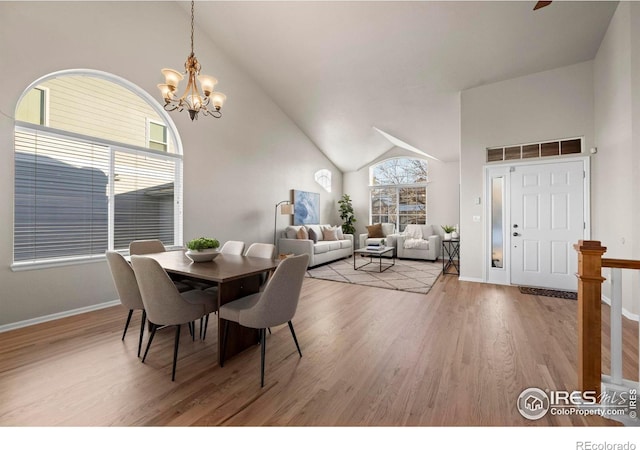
[(419, 242), (388, 230)]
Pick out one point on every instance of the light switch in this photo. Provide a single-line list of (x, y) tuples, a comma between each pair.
[(477, 200), (476, 218)]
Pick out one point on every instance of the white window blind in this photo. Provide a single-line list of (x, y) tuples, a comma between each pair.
[(143, 198), (63, 192), (60, 197)]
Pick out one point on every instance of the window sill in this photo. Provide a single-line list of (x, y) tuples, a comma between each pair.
[(50, 263)]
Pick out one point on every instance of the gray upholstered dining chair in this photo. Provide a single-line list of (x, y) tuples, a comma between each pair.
[(275, 305), (125, 280), (232, 248), (146, 246), (260, 250), (165, 306)]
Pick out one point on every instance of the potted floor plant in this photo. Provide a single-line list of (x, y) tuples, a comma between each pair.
[(347, 215), (202, 249)]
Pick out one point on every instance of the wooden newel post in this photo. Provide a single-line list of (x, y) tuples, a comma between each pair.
[(589, 314)]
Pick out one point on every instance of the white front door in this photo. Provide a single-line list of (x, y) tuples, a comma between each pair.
[(547, 218)]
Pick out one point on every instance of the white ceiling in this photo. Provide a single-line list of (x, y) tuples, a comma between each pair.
[(339, 69)]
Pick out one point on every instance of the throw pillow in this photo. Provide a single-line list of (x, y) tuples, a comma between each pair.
[(329, 234), (302, 233), (291, 232), (340, 233), (313, 236), (375, 230)]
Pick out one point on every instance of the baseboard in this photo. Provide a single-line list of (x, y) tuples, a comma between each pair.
[(56, 316), (472, 279), (627, 314)]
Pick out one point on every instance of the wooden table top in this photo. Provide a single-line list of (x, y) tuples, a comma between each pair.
[(222, 269)]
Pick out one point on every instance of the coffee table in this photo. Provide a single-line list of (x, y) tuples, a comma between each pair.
[(374, 253)]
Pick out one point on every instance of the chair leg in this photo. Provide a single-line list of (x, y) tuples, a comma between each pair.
[(142, 324), (175, 353), (203, 333), (126, 325), (154, 327), (192, 330), (293, 333), (224, 342), (263, 344)]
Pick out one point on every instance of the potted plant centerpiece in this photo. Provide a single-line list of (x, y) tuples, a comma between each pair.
[(202, 249), (448, 229)]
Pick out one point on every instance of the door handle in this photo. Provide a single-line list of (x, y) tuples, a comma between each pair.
[(516, 233)]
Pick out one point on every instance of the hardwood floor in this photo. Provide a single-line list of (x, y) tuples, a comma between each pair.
[(460, 355)]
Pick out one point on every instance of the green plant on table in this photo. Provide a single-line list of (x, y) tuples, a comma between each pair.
[(448, 228), (202, 243)]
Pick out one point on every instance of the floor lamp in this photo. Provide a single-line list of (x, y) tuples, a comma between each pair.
[(285, 209)]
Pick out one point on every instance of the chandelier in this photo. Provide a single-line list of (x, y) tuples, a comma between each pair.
[(208, 102)]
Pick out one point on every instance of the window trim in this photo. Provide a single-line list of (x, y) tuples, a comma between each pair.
[(399, 186), (172, 133), (148, 134), (151, 101)]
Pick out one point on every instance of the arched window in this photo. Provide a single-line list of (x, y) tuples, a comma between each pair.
[(98, 163), (323, 178), (398, 190)]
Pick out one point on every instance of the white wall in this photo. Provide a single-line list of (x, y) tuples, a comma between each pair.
[(543, 106), (442, 191), (236, 168), (616, 223)]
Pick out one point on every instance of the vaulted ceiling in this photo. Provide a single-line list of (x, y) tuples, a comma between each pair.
[(341, 69)]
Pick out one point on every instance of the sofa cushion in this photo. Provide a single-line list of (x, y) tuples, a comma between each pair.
[(324, 247), (340, 233), (317, 229), (388, 228), (375, 230), (302, 233), (312, 235), (292, 231), (329, 234), (427, 230), (345, 243)]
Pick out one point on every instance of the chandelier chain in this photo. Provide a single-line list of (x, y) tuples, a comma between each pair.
[(192, 2)]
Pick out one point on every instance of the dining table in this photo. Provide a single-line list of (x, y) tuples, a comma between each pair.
[(236, 276)]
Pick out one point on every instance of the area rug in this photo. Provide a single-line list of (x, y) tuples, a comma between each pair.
[(405, 275), (549, 292)]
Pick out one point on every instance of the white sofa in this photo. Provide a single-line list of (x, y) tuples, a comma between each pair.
[(419, 242), (388, 229), (320, 252)]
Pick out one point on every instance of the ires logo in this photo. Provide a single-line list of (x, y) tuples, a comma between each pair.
[(534, 403), (573, 398)]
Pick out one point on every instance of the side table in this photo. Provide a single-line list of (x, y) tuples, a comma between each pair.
[(451, 257)]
